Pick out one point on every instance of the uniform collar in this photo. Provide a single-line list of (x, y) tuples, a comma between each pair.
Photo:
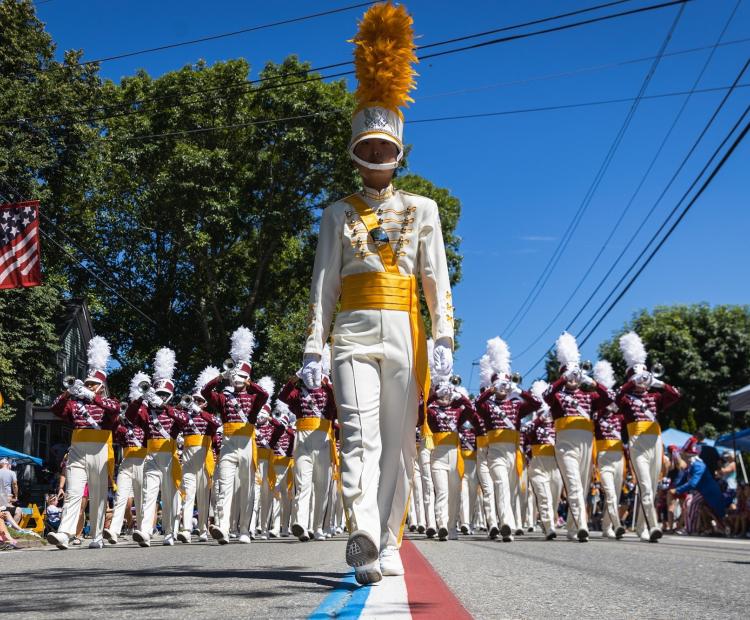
[(374, 194)]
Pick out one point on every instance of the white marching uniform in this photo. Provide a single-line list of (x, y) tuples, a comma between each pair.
[(129, 476), (373, 356), (197, 469), (486, 484)]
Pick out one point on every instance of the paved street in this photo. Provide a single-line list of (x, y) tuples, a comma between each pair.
[(286, 579)]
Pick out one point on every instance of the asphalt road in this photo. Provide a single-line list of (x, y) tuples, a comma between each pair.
[(529, 578)]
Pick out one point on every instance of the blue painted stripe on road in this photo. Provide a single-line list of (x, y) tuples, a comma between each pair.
[(346, 601)]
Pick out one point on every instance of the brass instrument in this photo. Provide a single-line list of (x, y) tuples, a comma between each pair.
[(229, 364), (123, 407), (186, 401), (587, 367), (69, 381), (456, 379), (657, 370), (144, 386), (516, 378)]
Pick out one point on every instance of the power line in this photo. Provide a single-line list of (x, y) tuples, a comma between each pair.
[(671, 213), (96, 277), (246, 85), (638, 188), (437, 119), (682, 215), (549, 268), (223, 35)]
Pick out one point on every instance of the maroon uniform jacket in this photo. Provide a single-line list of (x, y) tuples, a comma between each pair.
[(151, 419), (467, 434), (540, 431), (448, 418), (282, 439), (230, 406), (608, 423), (129, 435), (565, 404), (507, 413), (203, 423), (103, 411), (647, 406), (304, 403), (263, 434)]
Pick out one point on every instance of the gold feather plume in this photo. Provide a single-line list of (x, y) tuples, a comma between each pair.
[(383, 57)]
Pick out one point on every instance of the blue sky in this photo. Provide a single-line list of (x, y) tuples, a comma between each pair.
[(520, 177)]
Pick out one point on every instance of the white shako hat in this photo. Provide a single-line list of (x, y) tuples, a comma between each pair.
[(207, 374), (634, 353), (241, 351), (383, 59), (604, 374), (98, 357), (567, 353)]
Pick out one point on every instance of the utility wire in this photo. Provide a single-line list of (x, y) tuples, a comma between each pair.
[(626, 210), (588, 197), (246, 85)]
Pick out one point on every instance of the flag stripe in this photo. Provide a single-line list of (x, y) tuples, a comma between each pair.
[(20, 258), (18, 246), (17, 263)]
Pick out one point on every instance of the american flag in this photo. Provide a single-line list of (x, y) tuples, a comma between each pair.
[(19, 245)]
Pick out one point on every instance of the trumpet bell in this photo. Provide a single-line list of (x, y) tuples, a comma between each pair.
[(186, 400), (516, 378), (587, 366), (657, 370), (69, 381), (123, 407), (456, 379), (144, 386), (229, 364)]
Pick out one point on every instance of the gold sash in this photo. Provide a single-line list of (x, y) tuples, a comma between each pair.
[(168, 445), (451, 439)]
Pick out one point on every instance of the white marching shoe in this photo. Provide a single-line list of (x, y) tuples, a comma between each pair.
[(96, 544), (168, 540), (144, 540), (184, 536), (390, 562), (109, 536), (58, 539), (244, 539)]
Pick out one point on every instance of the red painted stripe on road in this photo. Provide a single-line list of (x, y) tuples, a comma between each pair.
[(429, 596)]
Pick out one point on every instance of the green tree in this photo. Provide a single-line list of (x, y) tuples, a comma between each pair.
[(705, 352)]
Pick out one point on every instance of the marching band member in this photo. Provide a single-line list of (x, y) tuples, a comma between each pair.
[(502, 406), (370, 248), (467, 435), (544, 476), (150, 409), (428, 489), (197, 458), (483, 468), (132, 439), (266, 473), (85, 406), (610, 457), (572, 408), (315, 411), (417, 500), (447, 410), (238, 401), (641, 400), (282, 444)]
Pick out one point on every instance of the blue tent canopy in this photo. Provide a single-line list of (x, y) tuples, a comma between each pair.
[(740, 438), (18, 457)]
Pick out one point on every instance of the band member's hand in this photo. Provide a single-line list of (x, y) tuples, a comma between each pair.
[(657, 383), (442, 358), (75, 389), (152, 398), (87, 394), (312, 372)]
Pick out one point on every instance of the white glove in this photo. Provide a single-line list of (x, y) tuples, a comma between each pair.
[(657, 383), (574, 374), (195, 408), (586, 380), (75, 389), (312, 371), (87, 394), (642, 378), (442, 357), (152, 399), (515, 392)]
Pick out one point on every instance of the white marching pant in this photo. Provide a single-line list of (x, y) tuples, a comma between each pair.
[(573, 453), (312, 470), (392, 535), (195, 484), (157, 476), (488, 488), (376, 394), (416, 502), (611, 464), (646, 452), (266, 492), (469, 486), (282, 495), (129, 484), (501, 457), (546, 484), (87, 464), (235, 483), (444, 464), (428, 491)]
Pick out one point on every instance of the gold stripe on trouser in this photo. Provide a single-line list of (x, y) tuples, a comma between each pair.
[(266, 454), (169, 445)]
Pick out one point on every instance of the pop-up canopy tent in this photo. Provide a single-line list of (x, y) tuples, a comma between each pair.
[(740, 439), (19, 457), (740, 400)]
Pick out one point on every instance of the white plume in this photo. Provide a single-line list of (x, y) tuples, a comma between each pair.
[(499, 354), (267, 384), (567, 350), (462, 390), (604, 373), (326, 359), (206, 375), (243, 343), (538, 388), (430, 356), (138, 378), (485, 371), (98, 353), (282, 407), (632, 349), (164, 363)]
